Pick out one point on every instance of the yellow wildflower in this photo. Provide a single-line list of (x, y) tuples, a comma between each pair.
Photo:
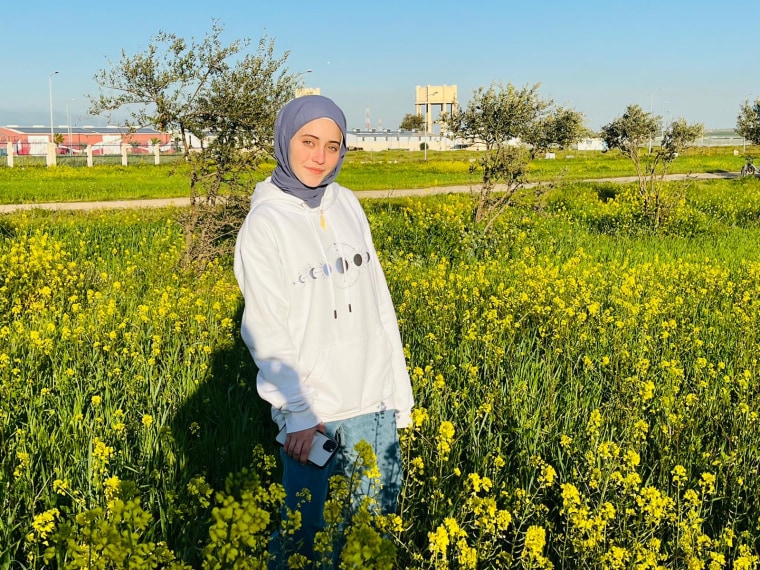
[(547, 476), (44, 524), (438, 542), (535, 540), (419, 416), (679, 475), (445, 438), (60, 486), (707, 483)]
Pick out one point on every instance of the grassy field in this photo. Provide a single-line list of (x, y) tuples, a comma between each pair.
[(586, 391), (361, 171)]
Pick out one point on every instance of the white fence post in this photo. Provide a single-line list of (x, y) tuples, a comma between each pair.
[(51, 148), (123, 155), (9, 149), (156, 154), (89, 155)]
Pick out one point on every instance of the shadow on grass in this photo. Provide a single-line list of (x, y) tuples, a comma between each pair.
[(607, 191), (215, 432)]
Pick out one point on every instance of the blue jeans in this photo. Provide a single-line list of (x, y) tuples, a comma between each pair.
[(379, 430)]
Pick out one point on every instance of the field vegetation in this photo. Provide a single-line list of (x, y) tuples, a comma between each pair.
[(361, 171), (586, 389)]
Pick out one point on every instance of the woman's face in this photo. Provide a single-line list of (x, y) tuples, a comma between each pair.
[(315, 151)]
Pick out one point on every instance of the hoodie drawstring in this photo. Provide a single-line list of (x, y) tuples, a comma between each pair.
[(343, 262), (326, 267)]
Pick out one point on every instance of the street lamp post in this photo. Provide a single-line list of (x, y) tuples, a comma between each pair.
[(651, 110), (68, 122), (50, 81), (424, 138), (301, 91), (427, 119)]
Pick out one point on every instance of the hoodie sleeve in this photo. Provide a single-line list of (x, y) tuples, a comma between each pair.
[(404, 399), (259, 273)]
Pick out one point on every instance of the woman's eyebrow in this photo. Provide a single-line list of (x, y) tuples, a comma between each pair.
[(337, 141)]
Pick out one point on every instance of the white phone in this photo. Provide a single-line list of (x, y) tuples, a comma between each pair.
[(322, 449)]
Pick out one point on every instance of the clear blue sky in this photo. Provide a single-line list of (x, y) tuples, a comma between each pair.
[(695, 59)]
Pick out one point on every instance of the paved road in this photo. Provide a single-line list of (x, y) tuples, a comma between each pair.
[(180, 202)]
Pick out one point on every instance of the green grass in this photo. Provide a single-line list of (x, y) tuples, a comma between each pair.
[(362, 170), (546, 356), (68, 184)]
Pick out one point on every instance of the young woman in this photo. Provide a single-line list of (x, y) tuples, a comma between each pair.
[(318, 317)]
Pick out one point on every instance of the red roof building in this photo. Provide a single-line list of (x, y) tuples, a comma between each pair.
[(104, 140)]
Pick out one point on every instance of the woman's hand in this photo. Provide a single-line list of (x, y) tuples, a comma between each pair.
[(298, 443)]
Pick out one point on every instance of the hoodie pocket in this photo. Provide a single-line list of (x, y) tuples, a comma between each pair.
[(353, 376)]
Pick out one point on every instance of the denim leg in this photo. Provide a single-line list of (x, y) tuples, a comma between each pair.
[(295, 478), (379, 430)]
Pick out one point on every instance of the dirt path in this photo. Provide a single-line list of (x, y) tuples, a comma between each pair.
[(181, 202)]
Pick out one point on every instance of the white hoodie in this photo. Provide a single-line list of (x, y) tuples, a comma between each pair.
[(318, 319)]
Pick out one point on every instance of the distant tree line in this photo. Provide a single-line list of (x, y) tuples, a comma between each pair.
[(228, 98)]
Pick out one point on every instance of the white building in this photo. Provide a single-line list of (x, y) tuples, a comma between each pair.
[(386, 139), (591, 144)]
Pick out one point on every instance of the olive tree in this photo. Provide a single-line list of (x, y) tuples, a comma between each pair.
[(631, 133), (560, 128), (222, 95), (510, 122), (411, 122), (748, 121)]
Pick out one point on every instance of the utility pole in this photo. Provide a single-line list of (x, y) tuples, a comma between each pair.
[(50, 81)]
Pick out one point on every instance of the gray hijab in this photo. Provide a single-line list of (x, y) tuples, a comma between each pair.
[(292, 117)]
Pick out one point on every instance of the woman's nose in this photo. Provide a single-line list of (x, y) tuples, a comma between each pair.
[(319, 155)]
